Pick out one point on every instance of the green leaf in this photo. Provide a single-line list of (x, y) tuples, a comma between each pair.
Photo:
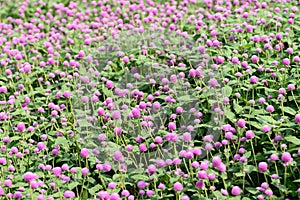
[(95, 189), (237, 107), (255, 124), (247, 154), (226, 91), (230, 115), (293, 139), (73, 185), (61, 140), (250, 168), (252, 190), (139, 177), (267, 119), (289, 110)]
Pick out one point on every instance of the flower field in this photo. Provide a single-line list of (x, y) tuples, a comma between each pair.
[(149, 99)]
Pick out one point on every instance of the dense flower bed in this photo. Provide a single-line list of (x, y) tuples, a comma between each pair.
[(192, 99)]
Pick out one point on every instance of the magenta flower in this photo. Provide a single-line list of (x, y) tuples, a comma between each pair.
[(241, 123), (178, 186), (286, 157), (286, 61), (236, 190), (118, 156), (266, 128), (297, 118), (85, 152), (69, 194), (29, 176), (263, 166)]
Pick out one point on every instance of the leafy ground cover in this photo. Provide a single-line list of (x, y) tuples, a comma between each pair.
[(192, 99)]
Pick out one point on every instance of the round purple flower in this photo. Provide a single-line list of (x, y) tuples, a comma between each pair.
[(241, 123), (286, 61), (85, 152), (21, 127), (270, 108), (249, 134), (266, 128), (178, 186), (213, 82), (263, 166), (236, 190), (286, 157), (141, 184), (69, 194), (297, 118), (253, 79), (118, 156), (216, 161), (29, 176), (109, 84)]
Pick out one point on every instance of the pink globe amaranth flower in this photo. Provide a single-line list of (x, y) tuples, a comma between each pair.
[(221, 167), (200, 184), (216, 161), (118, 156), (103, 194), (116, 114), (109, 84), (114, 196), (286, 61), (185, 198), (85, 152), (249, 134), (297, 118), (151, 169), (56, 171), (101, 112), (236, 190), (178, 186), (81, 54), (286, 157), (136, 112), (69, 194), (241, 123), (28, 176), (268, 192), (3, 89), (202, 174), (291, 87), (141, 184), (270, 108), (172, 126), (266, 128), (235, 60), (224, 192), (142, 147), (274, 157), (41, 146), (263, 166), (67, 94), (17, 195), (213, 82), (253, 79), (21, 127), (129, 148), (112, 185), (8, 183), (118, 131), (254, 59), (84, 171), (125, 193)]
